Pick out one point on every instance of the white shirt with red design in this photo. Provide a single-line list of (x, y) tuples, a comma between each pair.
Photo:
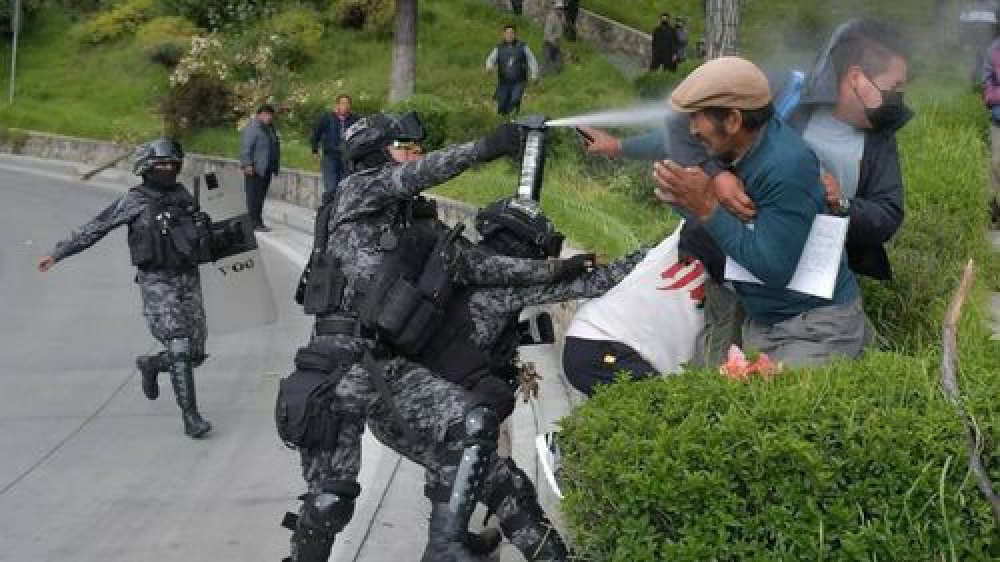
[(656, 310)]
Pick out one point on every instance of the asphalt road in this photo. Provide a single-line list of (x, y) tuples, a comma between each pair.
[(92, 471), (89, 469)]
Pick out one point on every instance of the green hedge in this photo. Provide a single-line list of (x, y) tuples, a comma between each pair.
[(859, 461), (852, 462)]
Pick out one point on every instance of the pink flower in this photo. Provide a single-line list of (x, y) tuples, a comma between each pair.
[(738, 367)]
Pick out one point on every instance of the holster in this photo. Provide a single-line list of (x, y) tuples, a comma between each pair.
[(304, 410), (321, 287)]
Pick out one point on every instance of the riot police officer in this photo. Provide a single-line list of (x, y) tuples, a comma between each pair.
[(168, 237), (379, 281), (476, 348)]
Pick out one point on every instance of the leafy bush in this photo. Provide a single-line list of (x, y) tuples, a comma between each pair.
[(300, 32), (165, 39), (850, 462), (203, 100), (28, 9), (121, 20), (376, 15), (219, 14)]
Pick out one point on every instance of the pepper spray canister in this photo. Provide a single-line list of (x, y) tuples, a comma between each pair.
[(529, 185)]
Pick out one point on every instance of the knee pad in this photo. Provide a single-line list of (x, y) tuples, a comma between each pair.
[(179, 349), (329, 510), (482, 427)]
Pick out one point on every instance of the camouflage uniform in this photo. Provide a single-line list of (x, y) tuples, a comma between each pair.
[(171, 303), (171, 300), (494, 312), (433, 408)]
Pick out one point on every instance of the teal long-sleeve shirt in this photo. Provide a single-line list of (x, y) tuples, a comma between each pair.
[(781, 176)]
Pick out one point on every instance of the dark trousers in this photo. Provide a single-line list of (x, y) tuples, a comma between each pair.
[(515, 6), (588, 363), (666, 61), (551, 57), (572, 12), (256, 190), (508, 96), (333, 170)]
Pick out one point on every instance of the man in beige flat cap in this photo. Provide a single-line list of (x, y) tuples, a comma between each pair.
[(729, 102)]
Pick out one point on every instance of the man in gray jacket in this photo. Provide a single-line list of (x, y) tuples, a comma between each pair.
[(260, 158)]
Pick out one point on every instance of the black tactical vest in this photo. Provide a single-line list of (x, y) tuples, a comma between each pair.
[(402, 305), (452, 353), (512, 62), (170, 234)]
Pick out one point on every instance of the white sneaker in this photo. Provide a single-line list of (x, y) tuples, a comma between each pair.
[(551, 458)]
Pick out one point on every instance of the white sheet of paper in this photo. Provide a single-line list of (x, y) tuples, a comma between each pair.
[(816, 272)]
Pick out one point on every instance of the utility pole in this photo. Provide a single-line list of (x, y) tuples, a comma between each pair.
[(15, 23)]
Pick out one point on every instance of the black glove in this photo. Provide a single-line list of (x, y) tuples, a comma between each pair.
[(573, 267), (505, 140)]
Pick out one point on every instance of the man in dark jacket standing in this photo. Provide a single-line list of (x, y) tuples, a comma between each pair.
[(514, 62), (572, 12), (664, 45), (260, 157), (329, 134)]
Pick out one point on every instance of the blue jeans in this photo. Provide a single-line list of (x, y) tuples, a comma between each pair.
[(333, 170), (508, 96)]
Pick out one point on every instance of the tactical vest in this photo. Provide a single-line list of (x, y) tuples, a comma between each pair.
[(512, 62), (170, 234), (455, 356), (403, 304)]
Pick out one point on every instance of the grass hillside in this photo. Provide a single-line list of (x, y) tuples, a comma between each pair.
[(112, 91)]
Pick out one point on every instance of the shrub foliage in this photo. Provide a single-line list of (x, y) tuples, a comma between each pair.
[(852, 462)]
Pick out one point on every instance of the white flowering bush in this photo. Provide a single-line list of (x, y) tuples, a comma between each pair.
[(222, 79)]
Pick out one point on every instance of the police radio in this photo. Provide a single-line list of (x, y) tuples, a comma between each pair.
[(529, 184)]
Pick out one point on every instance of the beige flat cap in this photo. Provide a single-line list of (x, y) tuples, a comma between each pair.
[(730, 82)]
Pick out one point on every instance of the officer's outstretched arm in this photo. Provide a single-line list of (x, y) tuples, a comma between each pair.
[(586, 286), (124, 210), (410, 178), (474, 266)]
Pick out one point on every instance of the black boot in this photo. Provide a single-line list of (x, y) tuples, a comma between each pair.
[(523, 521), (445, 534), (482, 543), (149, 367), (182, 377)]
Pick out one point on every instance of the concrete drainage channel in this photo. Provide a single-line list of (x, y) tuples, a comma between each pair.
[(390, 521)]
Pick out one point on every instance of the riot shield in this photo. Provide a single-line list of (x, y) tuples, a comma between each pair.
[(236, 290)]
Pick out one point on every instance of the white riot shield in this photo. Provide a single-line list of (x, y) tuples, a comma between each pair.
[(236, 290)]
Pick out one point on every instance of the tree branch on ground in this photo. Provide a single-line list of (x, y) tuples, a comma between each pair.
[(949, 385)]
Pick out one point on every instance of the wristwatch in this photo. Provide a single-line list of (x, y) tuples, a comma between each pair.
[(843, 207)]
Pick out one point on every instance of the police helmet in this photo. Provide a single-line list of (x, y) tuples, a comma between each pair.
[(366, 141), (159, 150), (517, 227)]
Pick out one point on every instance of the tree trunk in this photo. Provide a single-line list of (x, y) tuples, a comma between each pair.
[(404, 52), (722, 20)]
